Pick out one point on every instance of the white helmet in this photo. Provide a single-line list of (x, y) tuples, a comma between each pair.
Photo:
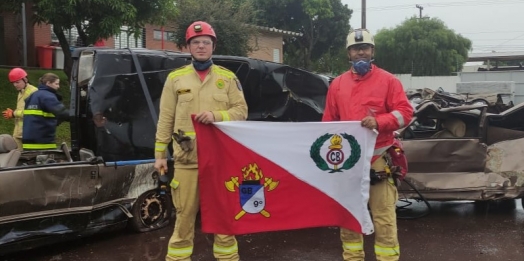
[(359, 36)]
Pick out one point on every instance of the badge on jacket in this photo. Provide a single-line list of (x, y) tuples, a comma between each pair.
[(238, 84), (220, 84), (183, 91)]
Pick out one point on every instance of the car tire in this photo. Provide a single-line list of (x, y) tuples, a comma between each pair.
[(151, 211)]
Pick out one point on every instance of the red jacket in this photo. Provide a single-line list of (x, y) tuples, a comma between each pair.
[(352, 97)]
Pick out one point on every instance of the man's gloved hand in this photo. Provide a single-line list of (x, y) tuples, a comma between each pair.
[(183, 140), (8, 114), (376, 177), (397, 176)]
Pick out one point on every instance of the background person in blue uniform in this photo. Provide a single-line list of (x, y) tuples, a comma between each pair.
[(42, 111)]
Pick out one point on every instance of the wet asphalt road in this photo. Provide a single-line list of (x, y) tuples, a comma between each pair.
[(453, 231)]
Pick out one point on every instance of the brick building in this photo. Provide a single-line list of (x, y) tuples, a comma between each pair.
[(267, 45)]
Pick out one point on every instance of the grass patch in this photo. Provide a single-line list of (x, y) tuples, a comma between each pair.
[(8, 96)]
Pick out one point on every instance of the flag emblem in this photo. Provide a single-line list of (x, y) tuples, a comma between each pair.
[(251, 191), (335, 152)]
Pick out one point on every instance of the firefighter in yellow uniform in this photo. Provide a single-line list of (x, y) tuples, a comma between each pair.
[(213, 94), (18, 77)]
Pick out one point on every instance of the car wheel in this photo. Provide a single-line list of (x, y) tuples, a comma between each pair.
[(151, 211)]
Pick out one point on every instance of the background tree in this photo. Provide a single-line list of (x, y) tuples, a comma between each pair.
[(422, 47), (94, 19), (323, 23), (232, 20), (333, 62)]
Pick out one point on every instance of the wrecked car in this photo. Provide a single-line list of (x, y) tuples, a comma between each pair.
[(47, 196), (464, 153), (495, 102), (106, 180)]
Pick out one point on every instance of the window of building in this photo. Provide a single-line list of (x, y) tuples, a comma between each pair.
[(71, 36), (276, 55), (127, 39), (168, 35)]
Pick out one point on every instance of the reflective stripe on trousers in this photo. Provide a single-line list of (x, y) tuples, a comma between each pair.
[(382, 199), (225, 250), (359, 246), (183, 252), (387, 251)]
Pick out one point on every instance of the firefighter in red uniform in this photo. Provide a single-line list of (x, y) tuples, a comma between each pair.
[(376, 98), (213, 93)]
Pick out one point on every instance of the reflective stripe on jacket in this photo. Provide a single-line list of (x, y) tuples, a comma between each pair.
[(19, 111), (185, 94), (380, 94)]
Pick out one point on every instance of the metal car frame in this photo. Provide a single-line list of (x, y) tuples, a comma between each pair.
[(484, 164)]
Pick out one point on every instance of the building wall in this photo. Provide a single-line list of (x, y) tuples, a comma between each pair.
[(448, 83), (512, 76), (267, 46), (10, 38), (42, 37), (13, 35), (156, 44)]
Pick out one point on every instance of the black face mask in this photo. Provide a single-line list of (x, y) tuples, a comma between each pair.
[(202, 66)]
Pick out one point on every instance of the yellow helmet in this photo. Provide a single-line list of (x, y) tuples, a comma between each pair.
[(359, 36)]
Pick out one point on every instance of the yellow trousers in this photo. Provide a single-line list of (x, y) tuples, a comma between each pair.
[(186, 200), (382, 203), (19, 143)]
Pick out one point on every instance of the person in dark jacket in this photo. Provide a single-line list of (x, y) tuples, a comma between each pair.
[(42, 111)]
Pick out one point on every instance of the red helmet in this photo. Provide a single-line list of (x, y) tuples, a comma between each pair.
[(17, 74), (199, 28)]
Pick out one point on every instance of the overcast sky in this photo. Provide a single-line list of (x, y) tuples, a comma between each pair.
[(492, 25)]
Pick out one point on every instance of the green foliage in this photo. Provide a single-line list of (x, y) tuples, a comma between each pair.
[(422, 47), (232, 21), (333, 62), (8, 96), (323, 23)]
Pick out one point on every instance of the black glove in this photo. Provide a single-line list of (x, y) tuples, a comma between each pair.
[(376, 177), (183, 140)]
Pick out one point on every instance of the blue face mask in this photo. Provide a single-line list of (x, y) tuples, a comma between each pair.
[(202, 66), (362, 67)]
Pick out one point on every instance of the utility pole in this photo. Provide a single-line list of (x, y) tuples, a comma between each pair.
[(420, 10), (24, 36), (363, 14)]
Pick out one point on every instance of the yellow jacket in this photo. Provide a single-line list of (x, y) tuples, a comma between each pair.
[(185, 94), (19, 111)]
